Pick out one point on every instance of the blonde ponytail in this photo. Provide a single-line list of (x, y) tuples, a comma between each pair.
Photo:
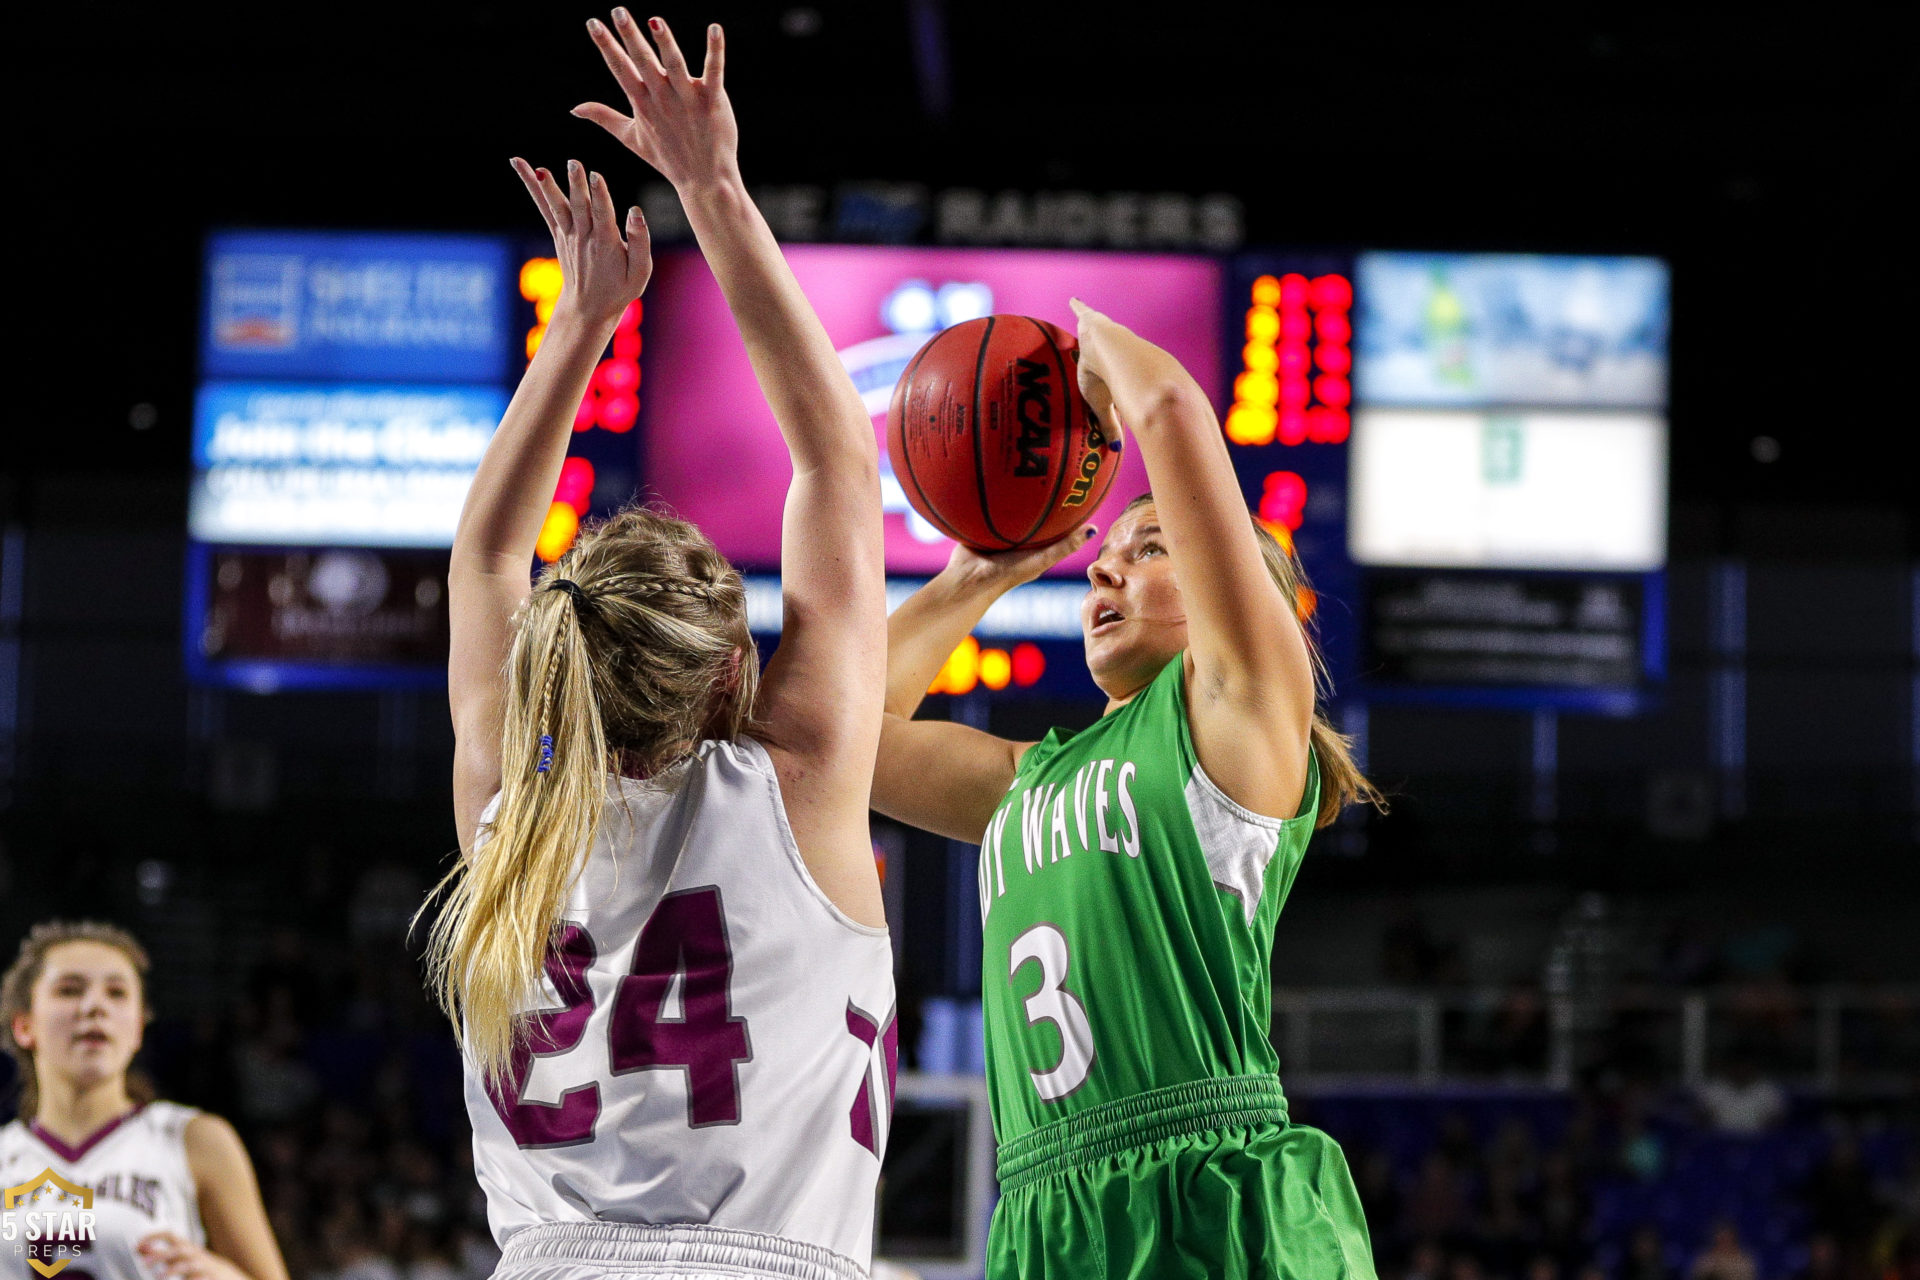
[(630, 649)]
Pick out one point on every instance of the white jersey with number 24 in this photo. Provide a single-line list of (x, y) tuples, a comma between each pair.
[(716, 1043)]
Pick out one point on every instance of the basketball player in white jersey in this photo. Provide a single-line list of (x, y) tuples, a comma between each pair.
[(173, 1191), (664, 945)]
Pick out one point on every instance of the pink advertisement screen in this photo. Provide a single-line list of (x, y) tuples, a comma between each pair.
[(713, 451)]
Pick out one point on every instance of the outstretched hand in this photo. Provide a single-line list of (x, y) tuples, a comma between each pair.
[(602, 271), (681, 124)]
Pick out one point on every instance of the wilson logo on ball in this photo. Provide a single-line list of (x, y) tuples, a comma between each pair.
[(1089, 466), (990, 439)]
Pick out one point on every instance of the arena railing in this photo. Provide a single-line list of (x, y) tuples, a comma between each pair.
[(1827, 1038)]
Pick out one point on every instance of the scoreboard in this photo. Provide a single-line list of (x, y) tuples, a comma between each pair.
[(1469, 452), (349, 384)]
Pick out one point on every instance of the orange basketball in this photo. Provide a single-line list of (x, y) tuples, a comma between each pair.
[(990, 438)]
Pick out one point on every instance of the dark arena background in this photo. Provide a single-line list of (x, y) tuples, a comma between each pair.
[(1626, 985)]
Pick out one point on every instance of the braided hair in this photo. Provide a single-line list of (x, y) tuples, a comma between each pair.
[(631, 649)]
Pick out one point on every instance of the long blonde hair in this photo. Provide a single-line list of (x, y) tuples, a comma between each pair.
[(632, 647), (1341, 781), (16, 995)]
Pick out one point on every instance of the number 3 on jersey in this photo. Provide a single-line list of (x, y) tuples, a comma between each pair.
[(684, 939), (1047, 946)]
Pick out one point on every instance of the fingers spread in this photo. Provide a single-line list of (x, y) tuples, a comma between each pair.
[(670, 56), (632, 82), (577, 198), (556, 205), (605, 221), (604, 116), (637, 47), (525, 172)]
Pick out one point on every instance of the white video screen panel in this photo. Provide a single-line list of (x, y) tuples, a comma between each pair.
[(1511, 329), (1443, 488), (336, 464)]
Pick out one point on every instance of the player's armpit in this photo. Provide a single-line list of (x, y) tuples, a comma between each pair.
[(1255, 752), (942, 777)]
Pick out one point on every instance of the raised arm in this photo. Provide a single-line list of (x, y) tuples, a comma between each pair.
[(487, 579), (1249, 675), (940, 776), (820, 701)]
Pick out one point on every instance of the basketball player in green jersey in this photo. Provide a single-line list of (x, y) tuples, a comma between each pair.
[(1131, 873)]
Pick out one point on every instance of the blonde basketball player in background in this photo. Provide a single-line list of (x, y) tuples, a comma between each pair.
[(702, 1083), (172, 1186)]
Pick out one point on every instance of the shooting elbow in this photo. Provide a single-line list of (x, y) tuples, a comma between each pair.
[(1167, 405)]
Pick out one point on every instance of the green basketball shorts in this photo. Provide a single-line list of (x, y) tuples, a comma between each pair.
[(1201, 1180)]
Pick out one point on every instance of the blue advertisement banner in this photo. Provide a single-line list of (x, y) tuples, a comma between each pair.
[(330, 305)]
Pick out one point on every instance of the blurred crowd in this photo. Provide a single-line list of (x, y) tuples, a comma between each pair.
[(1619, 975), (1631, 1186), (345, 1082)]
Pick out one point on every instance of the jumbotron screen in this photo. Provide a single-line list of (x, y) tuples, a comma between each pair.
[(712, 449), (1469, 452), (1511, 412)]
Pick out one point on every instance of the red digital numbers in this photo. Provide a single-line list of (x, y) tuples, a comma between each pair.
[(612, 402), (1297, 361)]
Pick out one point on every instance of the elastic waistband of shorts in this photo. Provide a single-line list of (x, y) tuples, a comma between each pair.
[(638, 1250), (1144, 1118)]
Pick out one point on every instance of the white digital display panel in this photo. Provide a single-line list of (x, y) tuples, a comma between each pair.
[(286, 464), (1520, 490), (1510, 329)]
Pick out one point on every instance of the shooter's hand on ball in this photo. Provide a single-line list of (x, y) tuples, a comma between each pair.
[(1002, 571), (602, 271), (1121, 373), (1093, 383), (681, 124)]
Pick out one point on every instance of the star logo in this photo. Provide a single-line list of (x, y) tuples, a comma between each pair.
[(44, 1186)]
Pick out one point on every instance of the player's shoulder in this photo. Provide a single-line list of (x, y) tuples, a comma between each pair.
[(745, 775), (168, 1120), (736, 757), (744, 753)]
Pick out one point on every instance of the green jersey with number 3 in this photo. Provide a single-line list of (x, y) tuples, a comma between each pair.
[(1129, 911)]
